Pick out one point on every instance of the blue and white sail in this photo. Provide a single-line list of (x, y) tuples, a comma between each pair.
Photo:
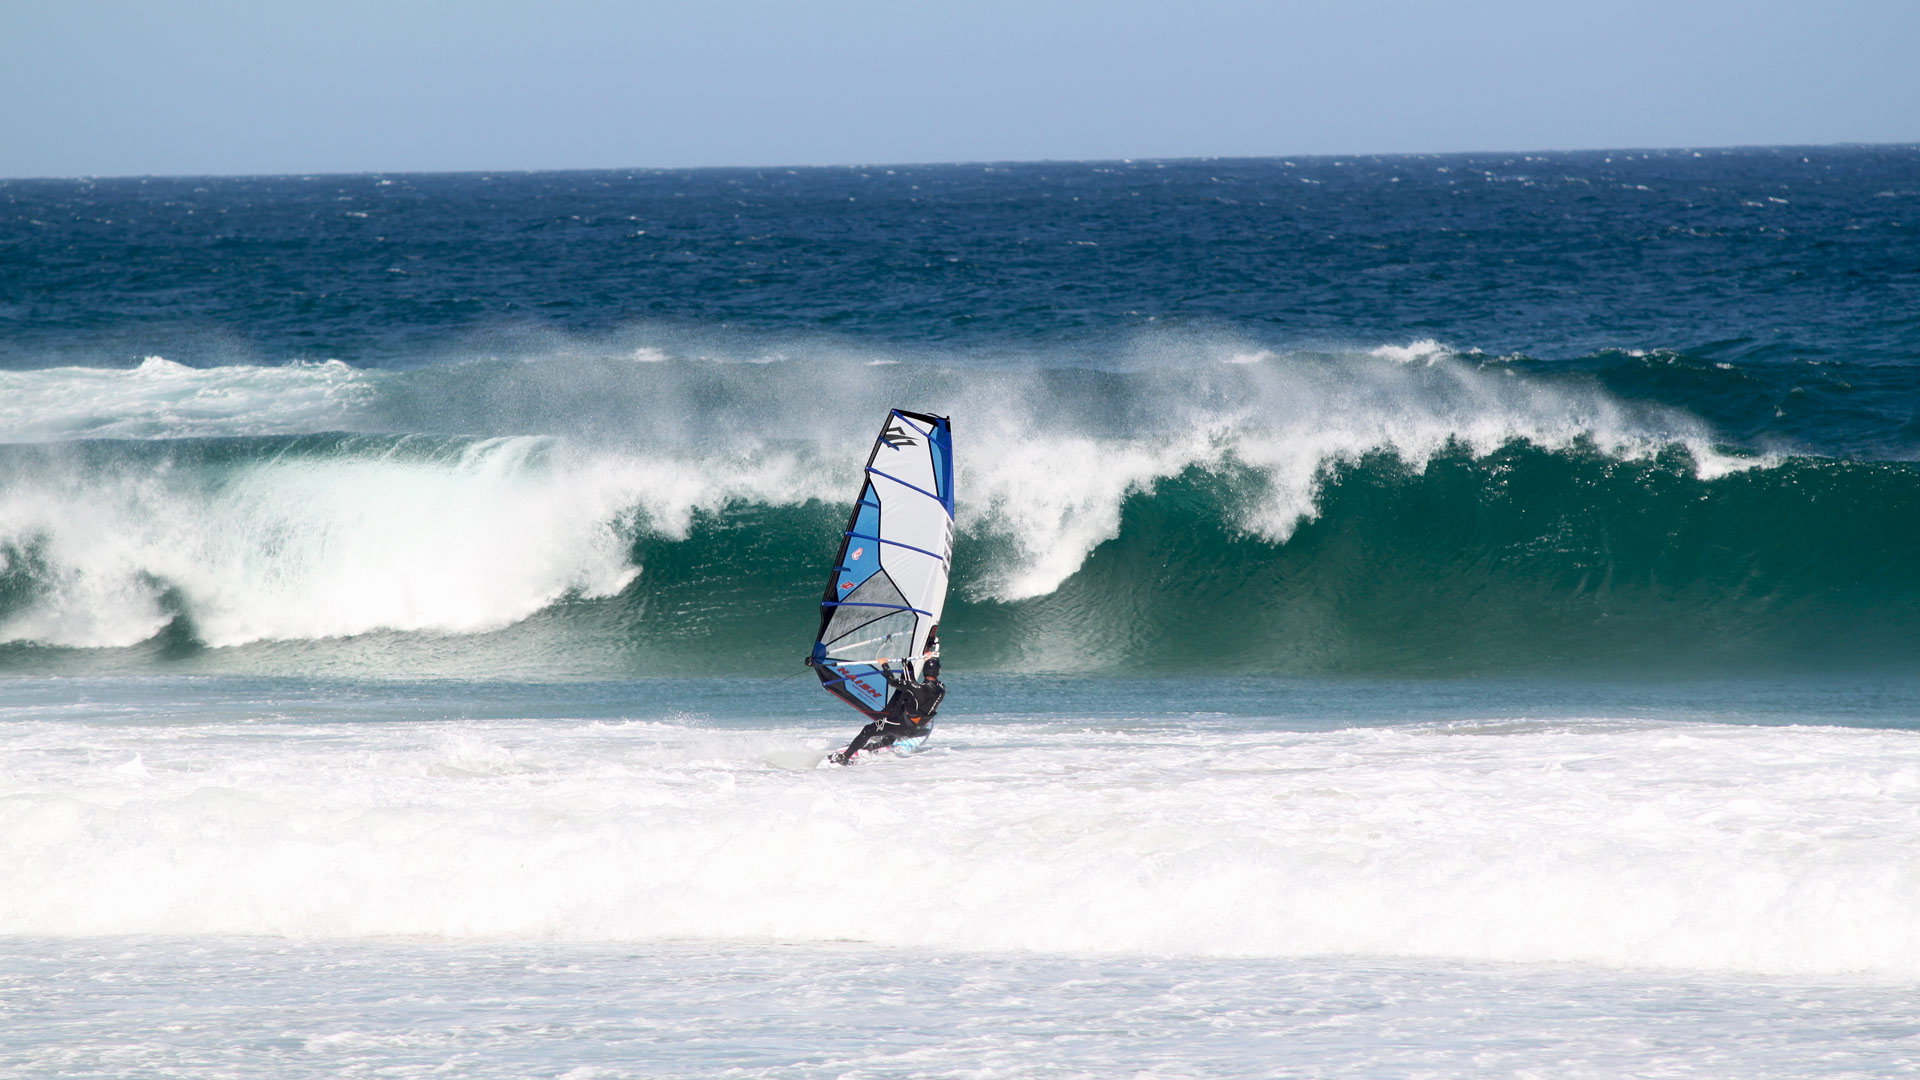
[(889, 581)]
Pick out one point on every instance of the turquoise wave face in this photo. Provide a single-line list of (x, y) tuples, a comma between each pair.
[(1525, 560)]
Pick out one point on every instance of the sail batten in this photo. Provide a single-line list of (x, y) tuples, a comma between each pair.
[(888, 583)]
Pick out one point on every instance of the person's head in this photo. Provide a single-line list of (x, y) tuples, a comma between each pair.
[(931, 668)]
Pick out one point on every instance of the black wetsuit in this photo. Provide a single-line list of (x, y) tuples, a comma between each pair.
[(908, 715)]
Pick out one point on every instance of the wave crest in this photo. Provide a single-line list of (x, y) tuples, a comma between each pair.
[(702, 490)]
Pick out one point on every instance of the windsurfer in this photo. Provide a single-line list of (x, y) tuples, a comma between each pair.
[(909, 711)]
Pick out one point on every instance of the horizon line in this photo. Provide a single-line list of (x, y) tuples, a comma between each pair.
[(980, 162)]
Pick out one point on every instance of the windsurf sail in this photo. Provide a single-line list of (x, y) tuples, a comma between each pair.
[(889, 581)]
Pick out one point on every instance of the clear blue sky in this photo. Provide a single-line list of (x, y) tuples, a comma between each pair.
[(101, 87)]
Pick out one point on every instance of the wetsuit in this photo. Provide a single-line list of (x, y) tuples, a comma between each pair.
[(908, 715)]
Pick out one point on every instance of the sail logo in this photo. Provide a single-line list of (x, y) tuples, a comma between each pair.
[(895, 434), (857, 552), (845, 585)]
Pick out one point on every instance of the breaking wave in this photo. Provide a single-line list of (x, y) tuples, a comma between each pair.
[(1400, 509)]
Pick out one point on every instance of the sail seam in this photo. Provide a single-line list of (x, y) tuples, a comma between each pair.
[(895, 543), (856, 603)]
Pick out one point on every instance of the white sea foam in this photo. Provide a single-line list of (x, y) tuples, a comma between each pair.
[(1632, 845), (162, 399), (471, 538), (1424, 351)]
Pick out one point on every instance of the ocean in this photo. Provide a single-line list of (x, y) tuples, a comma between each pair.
[(1412, 616)]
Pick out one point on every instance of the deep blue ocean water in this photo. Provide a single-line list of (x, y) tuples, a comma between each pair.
[(1412, 616), (1757, 256)]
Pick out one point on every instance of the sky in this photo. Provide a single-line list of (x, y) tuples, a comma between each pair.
[(178, 87)]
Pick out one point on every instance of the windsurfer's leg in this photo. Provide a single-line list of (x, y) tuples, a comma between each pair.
[(874, 736), (859, 743)]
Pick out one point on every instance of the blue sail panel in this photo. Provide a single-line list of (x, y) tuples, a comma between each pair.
[(861, 558), (942, 440)]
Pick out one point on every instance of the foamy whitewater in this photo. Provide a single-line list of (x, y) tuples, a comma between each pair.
[(1618, 843), (655, 879), (1410, 617)]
